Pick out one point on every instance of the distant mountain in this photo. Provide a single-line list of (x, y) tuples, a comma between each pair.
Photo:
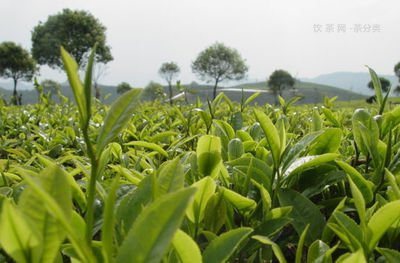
[(311, 92), (353, 81), (21, 85)]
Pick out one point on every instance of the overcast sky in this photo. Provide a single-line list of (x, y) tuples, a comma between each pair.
[(269, 34)]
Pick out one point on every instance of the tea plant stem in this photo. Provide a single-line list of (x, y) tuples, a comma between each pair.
[(91, 189)]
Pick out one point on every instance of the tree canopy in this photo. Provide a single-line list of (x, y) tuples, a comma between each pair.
[(153, 91), (50, 86), (169, 71), (385, 84), (218, 63), (16, 63), (279, 80), (123, 87), (77, 31), (397, 72)]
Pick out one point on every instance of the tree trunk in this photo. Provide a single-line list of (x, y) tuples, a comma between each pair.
[(170, 92), (215, 89), (276, 98), (15, 94), (97, 91)]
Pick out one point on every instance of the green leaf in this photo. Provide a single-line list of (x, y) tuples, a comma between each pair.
[(205, 189), (107, 231), (170, 177), (356, 257), (277, 250), (117, 117), (304, 163), (255, 169), (251, 98), (354, 235), (300, 244), (330, 117), (316, 121), (362, 116), (317, 251), (186, 248), (215, 213), (221, 248), (391, 256), (59, 211), (377, 85), (148, 145), (265, 197), (151, 234), (358, 201), (362, 184), (54, 181), (88, 80), (298, 149), (72, 68), (235, 149), (208, 154), (17, 237), (327, 142), (132, 204), (304, 212), (381, 221), (271, 134), (240, 202)]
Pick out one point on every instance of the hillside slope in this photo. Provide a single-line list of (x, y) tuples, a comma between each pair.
[(311, 92)]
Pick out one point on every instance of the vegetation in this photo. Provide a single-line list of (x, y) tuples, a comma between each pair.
[(123, 87), (384, 85), (77, 31), (51, 86), (169, 71), (153, 91), (222, 182), (278, 81), (218, 63), (16, 63)]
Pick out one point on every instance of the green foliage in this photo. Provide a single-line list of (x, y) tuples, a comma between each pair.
[(218, 63), (16, 63), (169, 71), (123, 87), (153, 91), (280, 80), (47, 37), (385, 84), (221, 182)]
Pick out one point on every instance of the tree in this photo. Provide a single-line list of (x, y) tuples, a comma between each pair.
[(218, 63), (385, 85), (99, 70), (278, 81), (76, 31), (397, 72), (153, 91), (123, 87), (16, 63), (169, 71), (50, 86)]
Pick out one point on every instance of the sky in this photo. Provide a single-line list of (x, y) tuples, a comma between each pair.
[(305, 37)]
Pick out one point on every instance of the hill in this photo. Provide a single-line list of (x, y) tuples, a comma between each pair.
[(353, 81), (312, 92)]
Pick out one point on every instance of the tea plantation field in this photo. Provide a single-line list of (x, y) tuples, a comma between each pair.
[(205, 182)]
